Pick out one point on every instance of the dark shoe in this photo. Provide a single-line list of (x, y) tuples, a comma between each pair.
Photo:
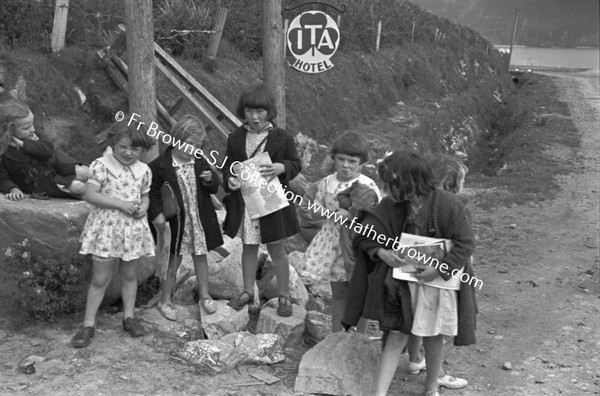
[(241, 301), (83, 337), (285, 306), (133, 326)]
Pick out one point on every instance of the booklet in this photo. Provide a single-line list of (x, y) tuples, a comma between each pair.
[(427, 251), (261, 197)]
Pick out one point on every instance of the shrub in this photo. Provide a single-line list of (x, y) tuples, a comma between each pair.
[(46, 284)]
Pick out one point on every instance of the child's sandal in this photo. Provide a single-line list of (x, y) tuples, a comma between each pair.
[(241, 301), (285, 306)]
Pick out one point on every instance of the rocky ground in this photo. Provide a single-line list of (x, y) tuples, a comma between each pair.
[(538, 306)]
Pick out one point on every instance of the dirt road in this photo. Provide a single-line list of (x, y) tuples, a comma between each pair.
[(538, 305)]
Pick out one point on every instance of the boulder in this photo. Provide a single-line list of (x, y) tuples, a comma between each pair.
[(267, 285), (187, 325), (290, 329), (342, 364), (225, 320), (187, 293), (225, 277), (318, 325)]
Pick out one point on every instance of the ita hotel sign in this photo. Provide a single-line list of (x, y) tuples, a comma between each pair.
[(313, 37)]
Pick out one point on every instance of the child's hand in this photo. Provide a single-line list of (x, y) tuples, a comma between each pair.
[(426, 273), (15, 195), (389, 257), (129, 207), (206, 176), (344, 214), (270, 171), (140, 212), (233, 183)]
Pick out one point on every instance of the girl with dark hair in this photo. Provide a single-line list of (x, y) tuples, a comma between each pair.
[(258, 134), (415, 206)]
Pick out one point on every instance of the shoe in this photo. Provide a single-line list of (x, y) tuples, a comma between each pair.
[(414, 368), (133, 326), (83, 337), (285, 306), (448, 381), (168, 311), (241, 301), (208, 304)]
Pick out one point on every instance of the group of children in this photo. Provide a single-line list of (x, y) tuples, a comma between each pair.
[(126, 200)]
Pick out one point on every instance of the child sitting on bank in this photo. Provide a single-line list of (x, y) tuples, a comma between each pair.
[(29, 165), (328, 256)]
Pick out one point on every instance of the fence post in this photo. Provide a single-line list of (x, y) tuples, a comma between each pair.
[(59, 28), (286, 24), (215, 38), (378, 36)]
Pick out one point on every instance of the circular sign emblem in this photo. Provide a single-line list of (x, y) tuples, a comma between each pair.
[(313, 37)]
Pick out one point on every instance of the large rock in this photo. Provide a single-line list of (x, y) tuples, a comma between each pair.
[(318, 325), (290, 329), (268, 288), (187, 293), (53, 227), (342, 364), (225, 320), (187, 326), (225, 277)]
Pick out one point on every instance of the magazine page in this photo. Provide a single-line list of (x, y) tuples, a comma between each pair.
[(428, 251), (261, 197)]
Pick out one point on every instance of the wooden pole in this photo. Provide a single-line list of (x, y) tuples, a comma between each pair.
[(378, 36), (513, 36), (59, 28), (273, 59), (412, 34), (140, 59), (215, 38)]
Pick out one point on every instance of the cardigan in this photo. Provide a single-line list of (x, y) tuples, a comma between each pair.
[(163, 171), (281, 148)]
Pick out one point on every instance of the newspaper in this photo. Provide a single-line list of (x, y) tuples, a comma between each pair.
[(261, 197), (427, 251)]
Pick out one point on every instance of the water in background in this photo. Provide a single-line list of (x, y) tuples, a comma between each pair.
[(572, 58)]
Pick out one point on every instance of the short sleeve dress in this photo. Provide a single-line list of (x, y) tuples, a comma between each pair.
[(110, 233), (323, 258)]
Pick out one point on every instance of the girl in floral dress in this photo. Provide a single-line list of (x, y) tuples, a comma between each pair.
[(116, 232), (324, 257), (195, 230)]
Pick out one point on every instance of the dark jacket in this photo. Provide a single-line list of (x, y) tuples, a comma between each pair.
[(373, 293), (163, 171), (281, 148), (33, 168)]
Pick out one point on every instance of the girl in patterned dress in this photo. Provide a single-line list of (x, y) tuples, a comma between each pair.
[(195, 230), (258, 134), (116, 232), (325, 258)]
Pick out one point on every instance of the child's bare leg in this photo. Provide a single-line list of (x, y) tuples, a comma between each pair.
[(433, 354), (128, 286), (166, 285), (414, 349), (101, 276), (338, 304), (390, 358), (201, 268), (249, 265), (282, 267)]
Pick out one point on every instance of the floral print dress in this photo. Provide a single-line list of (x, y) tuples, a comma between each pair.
[(323, 258), (110, 233)]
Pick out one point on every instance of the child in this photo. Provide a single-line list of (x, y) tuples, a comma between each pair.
[(29, 165), (325, 258), (258, 134), (116, 232), (196, 229), (448, 174), (416, 206)]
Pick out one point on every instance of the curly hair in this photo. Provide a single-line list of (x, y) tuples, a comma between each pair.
[(407, 175), (448, 171), (10, 111)]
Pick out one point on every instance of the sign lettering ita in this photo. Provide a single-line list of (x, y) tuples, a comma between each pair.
[(313, 37)]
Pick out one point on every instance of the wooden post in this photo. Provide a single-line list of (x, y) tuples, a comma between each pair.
[(378, 36), (215, 38), (412, 34), (339, 20), (286, 25), (59, 28), (273, 59), (141, 81)]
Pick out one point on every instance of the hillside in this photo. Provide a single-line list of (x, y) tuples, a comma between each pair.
[(542, 23), (447, 86)]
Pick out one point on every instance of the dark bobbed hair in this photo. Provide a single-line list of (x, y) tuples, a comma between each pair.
[(138, 135), (352, 144), (256, 97), (409, 173)]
